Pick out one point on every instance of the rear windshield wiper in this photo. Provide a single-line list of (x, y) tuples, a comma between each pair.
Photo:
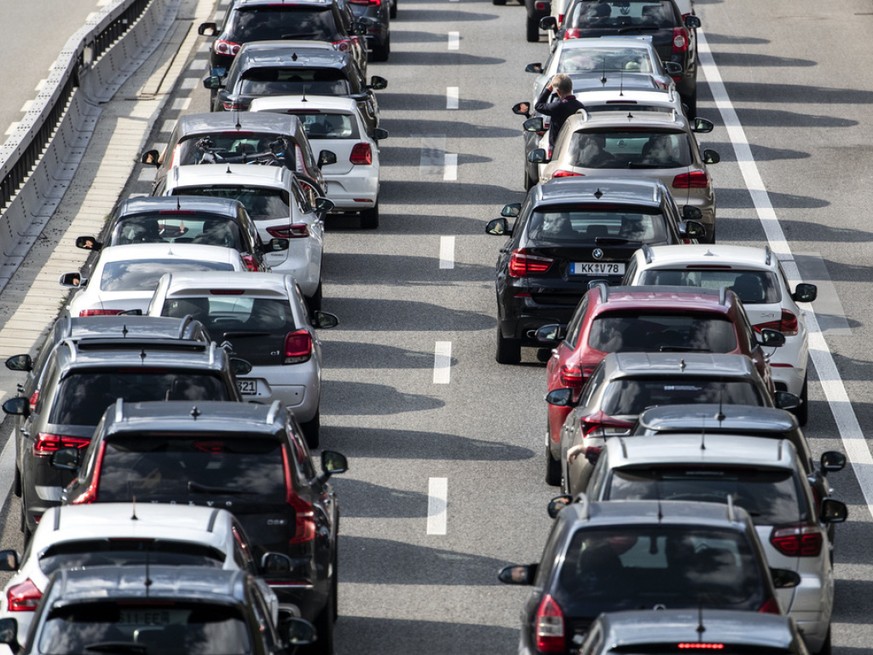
[(118, 647), (614, 241), (681, 349), (196, 487), (639, 28)]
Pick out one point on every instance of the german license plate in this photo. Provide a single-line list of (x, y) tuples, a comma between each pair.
[(596, 268), (247, 387), (142, 617)]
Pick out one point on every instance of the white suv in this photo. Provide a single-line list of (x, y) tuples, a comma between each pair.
[(756, 276)]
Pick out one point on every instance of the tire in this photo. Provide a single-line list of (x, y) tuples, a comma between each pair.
[(324, 629), (312, 430), (392, 11), (381, 52), (802, 412), (826, 645), (499, 3), (553, 469), (508, 350), (370, 218), (314, 301), (16, 483), (533, 30)]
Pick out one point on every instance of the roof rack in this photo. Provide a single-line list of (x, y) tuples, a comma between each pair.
[(101, 343), (602, 286), (768, 255), (119, 410), (730, 509), (274, 412), (722, 295), (187, 319), (647, 253), (212, 518)]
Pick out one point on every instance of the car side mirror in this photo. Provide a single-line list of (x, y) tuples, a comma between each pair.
[(534, 68), (558, 503), (692, 229), (276, 563), (212, 82), (538, 156), (701, 125), (332, 463), (771, 338), (324, 320), (278, 245), (548, 23), (511, 210), (673, 68), (380, 133), (711, 157), (535, 124), (786, 400), (88, 243), (150, 158), (377, 83), (552, 333), (66, 459), (692, 22), (323, 205), (207, 29), (691, 213), (9, 560), (20, 363), (239, 366), (295, 631), (521, 109), (498, 227), (518, 574), (784, 578), (326, 157), (71, 280), (18, 406), (833, 511), (9, 634), (560, 397), (805, 293), (832, 461)]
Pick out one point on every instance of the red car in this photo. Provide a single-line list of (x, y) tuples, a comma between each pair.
[(644, 319)]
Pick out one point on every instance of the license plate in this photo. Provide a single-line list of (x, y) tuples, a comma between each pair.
[(247, 387), (152, 617), (596, 268)]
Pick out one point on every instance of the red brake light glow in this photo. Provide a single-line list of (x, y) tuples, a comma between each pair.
[(249, 261), (90, 494), (304, 516), (521, 264), (223, 47), (691, 180), (563, 173), (298, 346), (549, 624), (362, 154), (294, 231), (680, 39), (343, 45), (46, 443), (699, 646), (23, 597), (572, 33), (99, 312), (797, 540)]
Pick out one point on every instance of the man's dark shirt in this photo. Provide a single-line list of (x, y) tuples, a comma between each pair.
[(559, 110)]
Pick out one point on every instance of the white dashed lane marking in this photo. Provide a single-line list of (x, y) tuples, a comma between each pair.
[(447, 252), (450, 173), (454, 40), (442, 362), (452, 97), (437, 505)]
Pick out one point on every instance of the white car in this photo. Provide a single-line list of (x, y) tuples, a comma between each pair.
[(279, 206), (126, 534), (336, 124), (125, 277), (756, 276)]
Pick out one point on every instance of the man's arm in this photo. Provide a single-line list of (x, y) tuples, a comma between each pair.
[(543, 107)]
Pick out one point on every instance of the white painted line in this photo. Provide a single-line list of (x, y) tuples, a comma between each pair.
[(447, 252), (181, 104), (188, 83), (437, 504), (7, 463), (442, 362), (452, 97), (450, 173), (454, 40), (852, 437)]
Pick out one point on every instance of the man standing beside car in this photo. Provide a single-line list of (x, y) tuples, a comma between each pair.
[(561, 109)]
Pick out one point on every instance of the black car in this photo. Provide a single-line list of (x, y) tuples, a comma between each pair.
[(249, 459), (673, 35), (607, 557), (374, 16), (82, 378), (267, 20), (567, 233), (169, 610)]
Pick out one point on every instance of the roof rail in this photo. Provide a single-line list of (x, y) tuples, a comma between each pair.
[(768, 254), (623, 447), (274, 412), (722, 295), (57, 524), (602, 286), (212, 518), (730, 509), (647, 252), (187, 319), (212, 347), (119, 410)]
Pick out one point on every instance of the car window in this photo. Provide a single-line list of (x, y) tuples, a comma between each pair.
[(190, 227), (230, 313), (144, 275), (569, 224), (230, 147), (328, 124), (665, 332), (174, 627), (752, 287), (589, 390), (609, 14), (576, 322), (271, 22), (262, 203), (128, 551), (638, 148), (604, 60), (631, 397), (293, 81)]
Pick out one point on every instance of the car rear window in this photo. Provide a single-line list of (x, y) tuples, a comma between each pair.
[(605, 60), (662, 332), (233, 148), (631, 397), (630, 149), (628, 567), (83, 396), (327, 124), (293, 81), (158, 626), (144, 275), (281, 22), (205, 229), (577, 224), (262, 203), (752, 287), (127, 552), (609, 14), (198, 468), (769, 496), (224, 313)]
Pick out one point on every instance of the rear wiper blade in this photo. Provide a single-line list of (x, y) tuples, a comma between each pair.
[(639, 28), (635, 164), (681, 349), (613, 241), (118, 647), (196, 487), (233, 334)]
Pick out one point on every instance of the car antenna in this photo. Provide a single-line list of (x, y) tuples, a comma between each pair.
[(682, 364), (303, 98), (195, 412), (720, 415), (133, 516), (700, 627), (178, 204), (148, 577), (660, 511), (142, 356), (621, 83), (228, 171), (703, 435)]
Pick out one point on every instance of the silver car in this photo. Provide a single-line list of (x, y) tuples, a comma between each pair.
[(263, 318)]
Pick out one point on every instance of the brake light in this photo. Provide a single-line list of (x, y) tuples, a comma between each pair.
[(23, 597), (222, 47), (251, 264), (99, 312), (522, 264), (787, 325), (572, 33), (691, 180), (700, 646), (293, 231), (770, 606), (680, 40), (230, 105), (90, 494), (304, 515), (34, 399), (298, 346), (541, 5), (343, 45), (607, 425), (572, 376), (563, 173), (549, 624), (47, 443), (362, 154), (560, 19), (797, 540)]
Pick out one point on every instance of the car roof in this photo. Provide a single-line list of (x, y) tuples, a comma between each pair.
[(285, 54), (735, 417), (619, 120), (678, 364), (720, 626), (255, 3), (127, 327), (226, 121), (625, 82), (204, 204), (689, 255), (204, 525), (149, 251), (624, 42), (701, 449), (654, 512), (644, 298), (304, 102), (201, 282), (233, 174), (162, 353), (612, 190)]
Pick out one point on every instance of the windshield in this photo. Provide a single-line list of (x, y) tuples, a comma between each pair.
[(268, 23), (631, 397), (604, 60), (144, 275), (262, 203), (231, 147), (178, 227), (228, 313), (752, 287), (569, 224), (645, 332), (630, 149), (127, 552), (294, 81), (165, 627)]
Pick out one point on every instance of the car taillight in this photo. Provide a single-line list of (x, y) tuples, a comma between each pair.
[(293, 231), (304, 515), (230, 105), (573, 33), (34, 399), (99, 312), (251, 264), (691, 180), (362, 154), (572, 376), (343, 45), (90, 494), (797, 540), (700, 645), (560, 19), (23, 597), (542, 5), (47, 443), (549, 625), (222, 47), (770, 606), (522, 264), (787, 325), (298, 346), (605, 425), (563, 173), (680, 39)]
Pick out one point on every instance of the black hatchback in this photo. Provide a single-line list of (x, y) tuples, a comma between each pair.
[(568, 233)]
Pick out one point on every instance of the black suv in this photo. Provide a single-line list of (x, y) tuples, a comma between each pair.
[(267, 20), (81, 378), (673, 36), (567, 233), (156, 609), (606, 557), (249, 459)]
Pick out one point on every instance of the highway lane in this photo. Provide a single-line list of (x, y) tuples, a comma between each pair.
[(401, 587)]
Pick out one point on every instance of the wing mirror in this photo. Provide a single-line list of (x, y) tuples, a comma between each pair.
[(805, 293), (323, 205), (548, 23), (278, 245), (207, 29), (535, 124), (560, 398), (332, 463), (786, 400), (832, 461), (692, 22), (672, 68), (8, 560), (239, 366), (702, 125), (534, 68), (150, 158), (377, 83), (784, 578), (511, 210), (295, 631), (771, 338), (692, 229), (558, 503), (538, 156), (380, 133), (498, 227), (66, 459), (18, 406), (522, 109), (324, 320), (20, 363), (212, 82), (88, 243), (711, 157), (276, 563), (9, 634), (552, 333), (833, 511), (519, 574), (71, 280), (326, 157)]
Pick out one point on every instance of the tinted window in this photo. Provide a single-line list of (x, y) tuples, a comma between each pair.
[(293, 81), (234, 147), (625, 332), (262, 203), (620, 13), (83, 397), (227, 313), (274, 22), (328, 125), (568, 224), (630, 149), (144, 275), (604, 60), (627, 396), (191, 227), (127, 552), (159, 466), (752, 287), (168, 628), (769, 496)]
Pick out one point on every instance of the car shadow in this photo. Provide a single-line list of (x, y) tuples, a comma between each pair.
[(426, 102), (747, 59), (358, 355), (777, 118), (362, 499), (758, 92), (377, 314), (760, 153), (413, 16), (397, 223), (458, 129), (731, 198), (713, 37), (399, 270), (345, 398), (421, 192)]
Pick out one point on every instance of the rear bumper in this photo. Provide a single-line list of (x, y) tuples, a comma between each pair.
[(355, 191), (296, 386)]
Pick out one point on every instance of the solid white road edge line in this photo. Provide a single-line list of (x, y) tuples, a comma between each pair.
[(851, 435), (452, 97), (450, 173), (442, 362), (454, 40), (447, 252), (437, 505), (7, 463)]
